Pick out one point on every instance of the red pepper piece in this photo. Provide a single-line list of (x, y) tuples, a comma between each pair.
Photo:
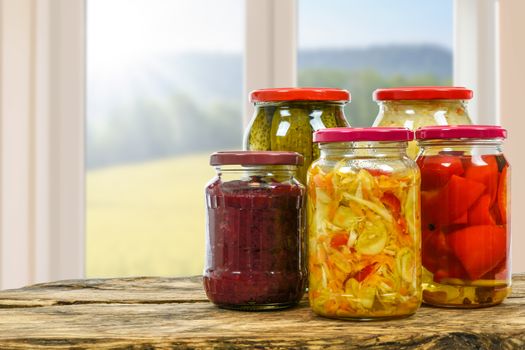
[(479, 213), (453, 201), (497, 273), (450, 267), (479, 248), (437, 170), (484, 169), (438, 258), (434, 245), (364, 272), (392, 202), (339, 239), (502, 195), (462, 220)]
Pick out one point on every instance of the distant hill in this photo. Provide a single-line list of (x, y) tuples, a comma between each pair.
[(211, 78), (407, 60)]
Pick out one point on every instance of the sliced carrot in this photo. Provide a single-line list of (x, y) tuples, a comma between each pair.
[(339, 239)]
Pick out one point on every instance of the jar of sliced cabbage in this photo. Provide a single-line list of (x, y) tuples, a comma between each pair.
[(414, 107), (285, 119), (364, 225)]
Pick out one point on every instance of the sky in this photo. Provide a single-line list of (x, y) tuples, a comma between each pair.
[(359, 23), (125, 30)]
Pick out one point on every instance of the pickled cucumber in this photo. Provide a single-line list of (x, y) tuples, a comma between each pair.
[(287, 126), (258, 135), (330, 117), (291, 131)]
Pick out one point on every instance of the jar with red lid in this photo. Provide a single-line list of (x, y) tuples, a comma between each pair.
[(418, 106), (465, 215), (285, 119), (255, 246), (364, 234)]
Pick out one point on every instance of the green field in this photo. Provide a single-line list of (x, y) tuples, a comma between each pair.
[(147, 218)]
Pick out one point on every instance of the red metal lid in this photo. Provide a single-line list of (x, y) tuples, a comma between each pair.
[(256, 158), (363, 134), (424, 93), (461, 132), (300, 94)]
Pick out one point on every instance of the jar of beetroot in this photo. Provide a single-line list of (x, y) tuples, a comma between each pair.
[(465, 215), (255, 246)]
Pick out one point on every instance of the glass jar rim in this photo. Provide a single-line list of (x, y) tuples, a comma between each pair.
[(256, 158)]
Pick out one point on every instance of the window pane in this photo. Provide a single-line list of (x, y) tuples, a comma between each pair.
[(364, 45), (164, 90)]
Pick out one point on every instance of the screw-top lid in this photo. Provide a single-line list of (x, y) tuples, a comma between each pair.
[(363, 134), (300, 94), (461, 132), (256, 158), (423, 93)]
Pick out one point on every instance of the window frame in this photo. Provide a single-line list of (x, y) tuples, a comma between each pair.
[(42, 201), (476, 56), (42, 98), (270, 56)]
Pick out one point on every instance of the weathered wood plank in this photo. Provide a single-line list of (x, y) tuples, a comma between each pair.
[(88, 314), (202, 325), (134, 290)]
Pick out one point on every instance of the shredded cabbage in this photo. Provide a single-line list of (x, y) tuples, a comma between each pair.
[(364, 242)]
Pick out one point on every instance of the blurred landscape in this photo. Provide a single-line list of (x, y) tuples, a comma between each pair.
[(151, 127), (161, 108)]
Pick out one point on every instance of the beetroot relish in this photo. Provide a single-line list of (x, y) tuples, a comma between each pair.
[(255, 253)]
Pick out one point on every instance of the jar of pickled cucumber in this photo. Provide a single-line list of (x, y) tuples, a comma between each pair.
[(285, 119), (364, 233), (465, 215), (414, 107)]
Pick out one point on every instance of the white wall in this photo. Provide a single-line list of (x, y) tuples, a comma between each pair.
[(512, 111)]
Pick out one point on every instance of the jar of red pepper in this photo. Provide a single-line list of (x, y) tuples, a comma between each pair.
[(465, 215), (255, 246)]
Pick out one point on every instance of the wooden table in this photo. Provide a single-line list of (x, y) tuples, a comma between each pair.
[(151, 313)]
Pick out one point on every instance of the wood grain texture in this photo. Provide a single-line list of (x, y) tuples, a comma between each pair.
[(162, 313)]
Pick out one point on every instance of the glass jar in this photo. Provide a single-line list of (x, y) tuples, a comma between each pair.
[(255, 245), (414, 107), (464, 206), (285, 119), (364, 225)]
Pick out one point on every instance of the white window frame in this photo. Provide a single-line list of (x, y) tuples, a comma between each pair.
[(42, 115), (270, 50), (42, 93), (476, 56)]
